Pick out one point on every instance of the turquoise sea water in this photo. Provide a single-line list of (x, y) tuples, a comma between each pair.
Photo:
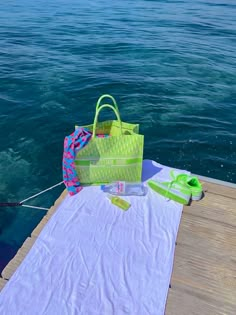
[(170, 65)]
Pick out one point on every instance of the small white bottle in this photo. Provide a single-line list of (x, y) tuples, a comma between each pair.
[(121, 188)]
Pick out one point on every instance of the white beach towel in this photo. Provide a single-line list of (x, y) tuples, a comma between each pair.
[(92, 258)]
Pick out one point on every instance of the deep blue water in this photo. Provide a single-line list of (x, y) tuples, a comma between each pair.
[(170, 65)]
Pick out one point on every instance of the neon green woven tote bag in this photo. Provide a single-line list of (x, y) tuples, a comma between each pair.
[(117, 157)]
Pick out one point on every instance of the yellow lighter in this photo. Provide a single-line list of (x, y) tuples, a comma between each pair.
[(121, 203)]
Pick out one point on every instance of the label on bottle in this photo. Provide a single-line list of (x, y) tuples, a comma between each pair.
[(121, 187)]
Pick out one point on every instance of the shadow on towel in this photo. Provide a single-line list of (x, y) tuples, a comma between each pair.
[(149, 169)]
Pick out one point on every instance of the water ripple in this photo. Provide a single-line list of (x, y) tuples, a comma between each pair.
[(170, 64)]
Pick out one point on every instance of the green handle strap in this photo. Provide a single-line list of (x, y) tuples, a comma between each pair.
[(97, 114), (107, 96)]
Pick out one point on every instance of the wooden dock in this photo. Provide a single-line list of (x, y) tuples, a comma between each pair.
[(204, 275)]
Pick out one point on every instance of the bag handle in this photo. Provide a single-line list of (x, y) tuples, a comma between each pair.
[(97, 114), (107, 96)]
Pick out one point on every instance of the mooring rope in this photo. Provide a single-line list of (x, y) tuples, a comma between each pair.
[(41, 192), (21, 203), (34, 207)]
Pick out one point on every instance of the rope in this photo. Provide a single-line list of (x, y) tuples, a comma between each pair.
[(10, 204), (41, 192), (16, 204), (34, 207)]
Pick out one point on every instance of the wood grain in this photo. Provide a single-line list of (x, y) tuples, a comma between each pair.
[(2, 283), (204, 275)]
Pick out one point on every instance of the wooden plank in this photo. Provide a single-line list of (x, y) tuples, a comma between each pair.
[(184, 300), (220, 190), (2, 283), (51, 211), (197, 231), (219, 201), (204, 275), (215, 208), (19, 257)]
